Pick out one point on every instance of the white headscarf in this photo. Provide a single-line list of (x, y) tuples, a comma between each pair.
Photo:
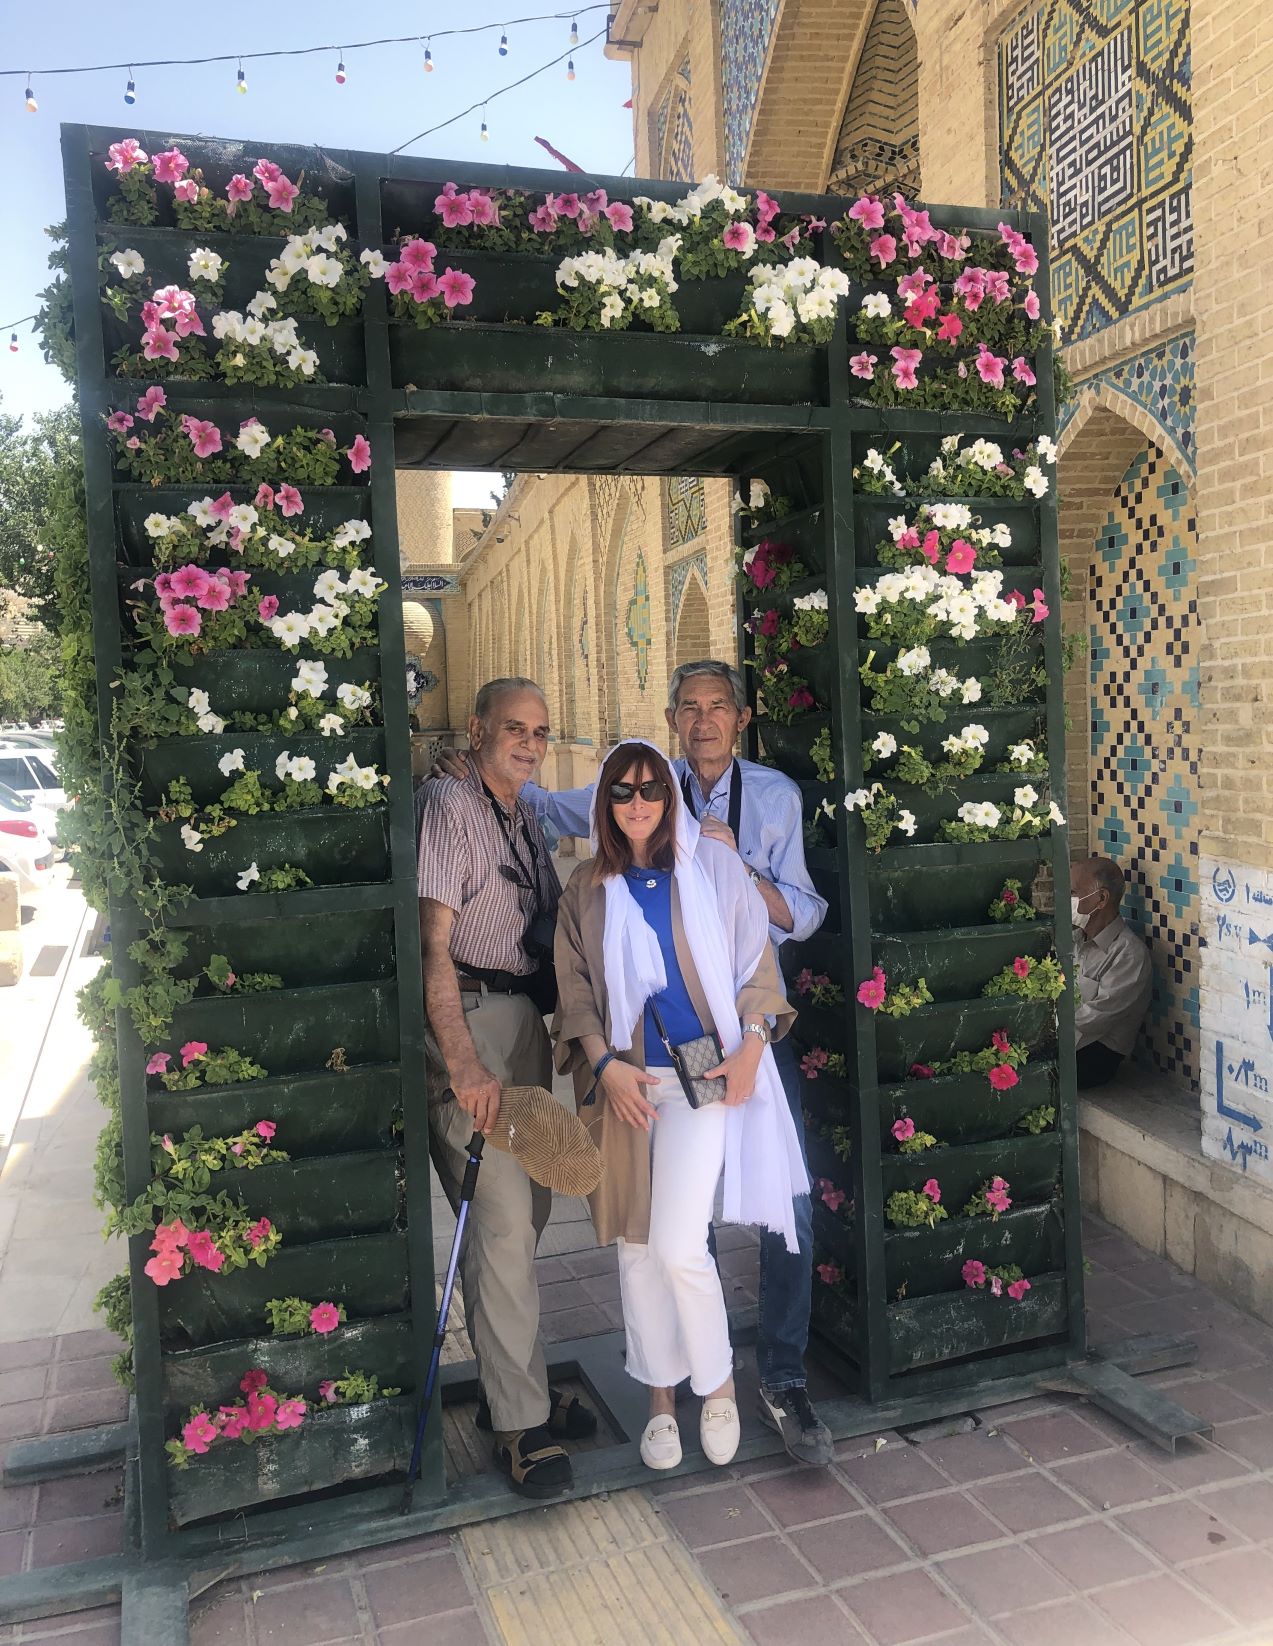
[(726, 929)]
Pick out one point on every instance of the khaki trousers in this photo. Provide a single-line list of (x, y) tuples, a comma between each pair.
[(508, 1215)]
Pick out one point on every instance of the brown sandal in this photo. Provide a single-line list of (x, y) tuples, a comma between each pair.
[(535, 1465), (568, 1417)]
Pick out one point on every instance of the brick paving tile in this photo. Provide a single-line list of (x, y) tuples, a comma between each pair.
[(451, 1629), (1066, 1623), (883, 1477), (1056, 1437), (1160, 1611), (551, 1269), (561, 1294), (907, 1606), (937, 1524), (796, 1498), (1108, 1290), (1221, 1350), (1254, 1384), (85, 1410), (865, 1445), (1212, 1399), (599, 1288), (852, 1547), (63, 1629), (1093, 1555), (1250, 1438), (12, 1550), (1247, 1504), (79, 1495), (1183, 1529), (33, 1351), (94, 1372), (282, 1576), (17, 1507), (566, 1324), (21, 1419), (1197, 1463), (79, 1345), (802, 1623), (598, 1261), (415, 1589), (1028, 1503), (307, 1614), (219, 1618), (758, 1570), (85, 1539), (428, 1543), (23, 1383), (1005, 1579), (1111, 1480), (1240, 1580), (720, 1516), (975, 1456)]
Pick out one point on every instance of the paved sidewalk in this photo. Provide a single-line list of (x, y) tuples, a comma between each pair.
[(1045, 1525)]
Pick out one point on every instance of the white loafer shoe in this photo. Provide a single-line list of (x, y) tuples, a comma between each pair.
[(719, 1430), (661, 1443)]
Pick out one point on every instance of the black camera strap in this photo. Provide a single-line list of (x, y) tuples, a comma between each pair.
[(735, 798), (529, 874)]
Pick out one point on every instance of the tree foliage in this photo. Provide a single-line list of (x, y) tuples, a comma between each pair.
[(32, 454), (29, 686)]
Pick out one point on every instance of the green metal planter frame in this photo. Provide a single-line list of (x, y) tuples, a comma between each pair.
[(560, 423)]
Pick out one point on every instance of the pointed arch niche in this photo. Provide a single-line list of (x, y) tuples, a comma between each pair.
[(877, 148)]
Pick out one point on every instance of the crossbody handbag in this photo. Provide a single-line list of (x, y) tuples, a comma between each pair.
[(691, 1060)]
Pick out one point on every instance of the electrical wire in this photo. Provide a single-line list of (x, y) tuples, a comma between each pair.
[(309, 51), (491, 96)]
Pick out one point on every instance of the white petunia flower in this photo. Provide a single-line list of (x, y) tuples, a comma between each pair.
[(361, 581), (906, 822), (198, 700), (247, 877), (351, 531), (311, 677), (304, 361), (191, 838), (323, 270), (252, 438), (353, 697), (280, 545), (205, 264), (1035, 481), (261, 304), (159, 525), (861, 799), (227, 326), (1056, 814), (877, 306), (373, 260), (1026, 795), (914, 660), (322, 620), (301, 769), (231, 762), (985, 454), (1021, 754), (201, 512), (328, 585), (813, 602), (331, 725), (244, 516), (834, 281), (253, 332), (972, 690), (211, 723), (290, 628), (128, 262), (366, 777), (782, 318), (1046, 448), (884, 744)]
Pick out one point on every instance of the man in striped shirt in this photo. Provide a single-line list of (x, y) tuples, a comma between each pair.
[(488, 891)]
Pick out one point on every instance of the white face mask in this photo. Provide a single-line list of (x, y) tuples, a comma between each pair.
[(1077, 919)]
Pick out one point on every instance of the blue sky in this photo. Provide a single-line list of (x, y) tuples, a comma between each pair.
[(386, 98)]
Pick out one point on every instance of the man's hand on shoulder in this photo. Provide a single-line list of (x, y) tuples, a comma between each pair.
[(714, 829), (451, 763)]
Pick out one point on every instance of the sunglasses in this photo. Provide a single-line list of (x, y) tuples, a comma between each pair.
[(621, 794)]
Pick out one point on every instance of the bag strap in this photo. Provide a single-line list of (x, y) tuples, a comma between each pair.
[(687, 1085)]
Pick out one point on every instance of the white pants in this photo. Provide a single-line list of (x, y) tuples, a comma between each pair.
[(673, 1306)]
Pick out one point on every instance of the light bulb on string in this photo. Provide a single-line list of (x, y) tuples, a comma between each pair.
[(130, 90), (13, 342), (574, 32), (484, 134), (340, 72), (32, 106), (570, 68), (428, 59), (241, 81), (503, 44)]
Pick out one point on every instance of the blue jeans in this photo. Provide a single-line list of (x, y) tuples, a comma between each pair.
[(786, 1278)]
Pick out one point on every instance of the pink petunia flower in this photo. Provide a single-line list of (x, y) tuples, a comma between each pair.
[(327, 1390), (182, 620), (267, 172), (863, 365), (740, 237), (324, 1318), (119, 422), (189, 324), (1000, 1041), (905, 362), (149, 405), (124, 155), (565, 205), (397, 277), (930, 548), (544, 219), (829, 1273), (261, 1411), (833, 1198), (990, 366), (199, 1433), (205, 437), (289, 500), (266, 1129), (904, 1129), (884, 249), (253, 1380), (813, 1062), (187, 582), (871, 993), (159, 1062), (215, 596), (192, 1050), (238, 189), (933, 1190), (868, 212), (166, 1265), (996, 1286), (259, 1231), (455, 210), (920, 1071), (974, 1272), (360, 454), (264, 496), (290, 1413), (485, 209), (1039, 607), (418, 255), (170, 1237), (914, 284), (1021, 965), (619, 215), (962, 557), (923, 308), (187, 190), (801, 698), (424, 286), (159, 344), (769, 623), (456, 288), (170, 166), (951, 327), (1003, 1077), (1033, 308), (1017, 1289), (1023, 372), (233, 1421), (205, 1252), (282, 193), (998, 1200), (268, 607)]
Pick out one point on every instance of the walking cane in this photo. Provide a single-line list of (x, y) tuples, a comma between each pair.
[(467, 1188)]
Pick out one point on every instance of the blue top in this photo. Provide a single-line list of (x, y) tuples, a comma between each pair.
[(771, 832), (675, 1006)]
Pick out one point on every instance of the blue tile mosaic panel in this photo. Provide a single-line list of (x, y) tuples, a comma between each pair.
[(686, 510), (674, 128), (1096, 126), (1144, 768), (745, 30), (1162, 381)]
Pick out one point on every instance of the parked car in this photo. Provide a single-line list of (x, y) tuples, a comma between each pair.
[(27, 738), (33, 772), (25, 848)]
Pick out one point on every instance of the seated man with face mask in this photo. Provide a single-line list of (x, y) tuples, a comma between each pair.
[(1114, 974)]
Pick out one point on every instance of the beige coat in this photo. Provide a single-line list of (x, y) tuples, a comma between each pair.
[(620, 1205)]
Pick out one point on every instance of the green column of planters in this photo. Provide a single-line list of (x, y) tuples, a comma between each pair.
[(895, 1301), (334, 1014)]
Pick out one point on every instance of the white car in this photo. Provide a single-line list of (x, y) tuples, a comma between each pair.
[(25, 848), (33, 773)]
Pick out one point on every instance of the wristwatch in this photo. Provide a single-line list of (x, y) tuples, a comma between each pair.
[(760, 1030), (755, 875)]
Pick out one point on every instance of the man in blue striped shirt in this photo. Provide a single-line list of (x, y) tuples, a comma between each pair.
[(758, 812)]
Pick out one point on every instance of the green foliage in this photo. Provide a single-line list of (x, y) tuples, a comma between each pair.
[(981, 1062), (823, 759), (38, 460), (911, 1209), (356, 1389), (191, 1159), (286, 878), (916, 1143), (224, 1067), (1037, 1120), (114, 1304), (904, 998), (166, 456), (1011, 904), (1028, 979), (29, 685), (289, 1316)]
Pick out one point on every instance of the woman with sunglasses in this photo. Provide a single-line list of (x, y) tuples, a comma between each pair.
[(661, 941)]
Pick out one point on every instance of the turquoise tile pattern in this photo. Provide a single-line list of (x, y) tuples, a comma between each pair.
[(1161, 381), (745, 30)]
